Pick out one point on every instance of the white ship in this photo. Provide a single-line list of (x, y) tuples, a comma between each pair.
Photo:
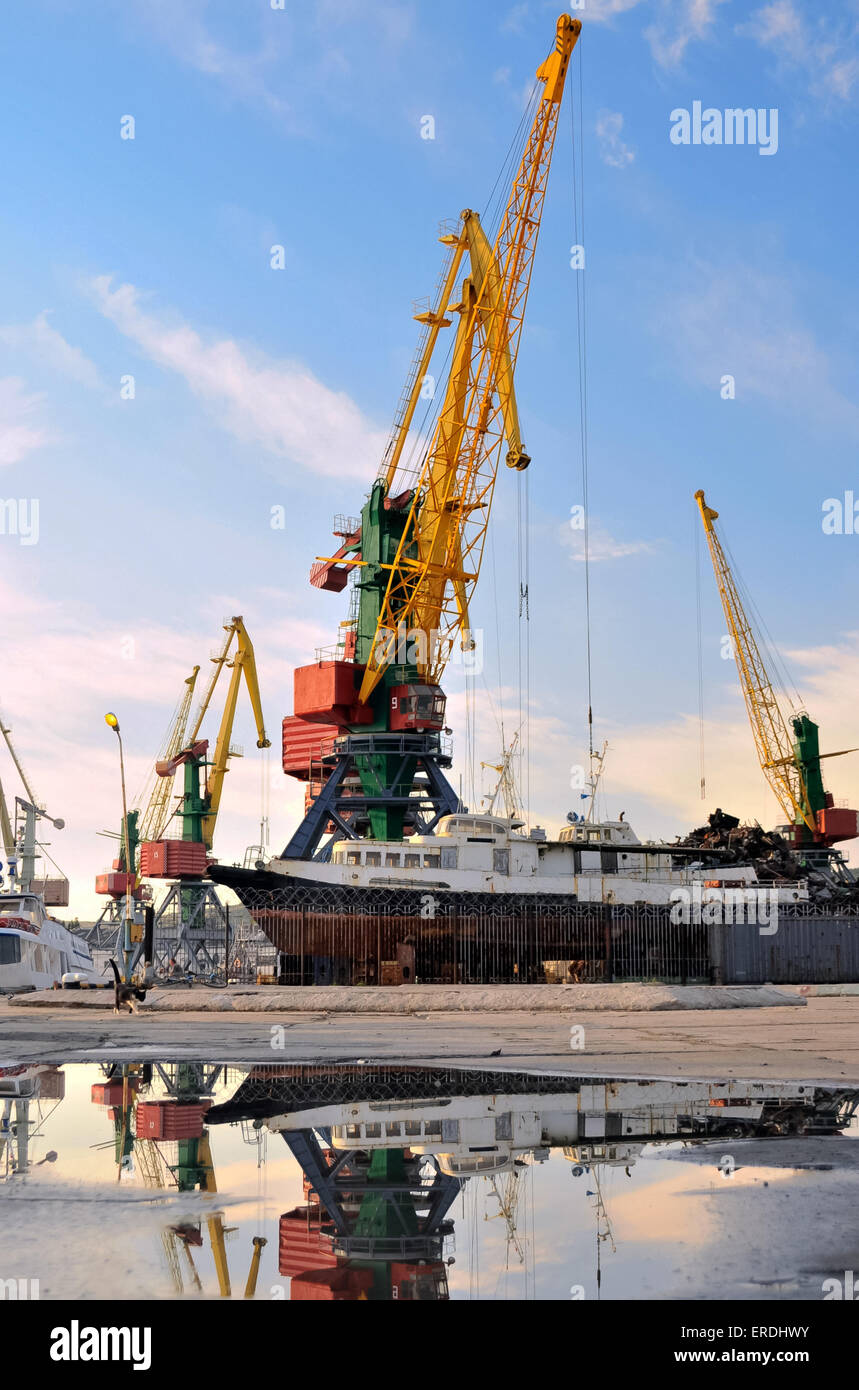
[(477, 855), (592, 1119), (36, 951)]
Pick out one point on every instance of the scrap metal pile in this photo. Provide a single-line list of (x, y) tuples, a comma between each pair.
[(773, 857)]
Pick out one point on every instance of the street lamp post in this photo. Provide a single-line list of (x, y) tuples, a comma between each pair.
[(127, 944)]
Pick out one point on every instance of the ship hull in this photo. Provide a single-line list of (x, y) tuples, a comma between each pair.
[(360, 935)]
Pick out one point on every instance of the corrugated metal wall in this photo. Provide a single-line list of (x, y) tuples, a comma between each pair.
[(809, 946)]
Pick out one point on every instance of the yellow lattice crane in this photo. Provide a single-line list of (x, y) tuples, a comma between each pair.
[(200, 810), (790, 762), (438, 558), (417, 550), (153, 820)]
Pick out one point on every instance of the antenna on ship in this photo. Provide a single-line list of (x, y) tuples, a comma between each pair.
[(506, 784), (603, 1223), (597, 768)]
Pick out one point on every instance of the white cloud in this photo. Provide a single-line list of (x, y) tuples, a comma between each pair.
[(826, 48), (613, 150), (515, 19), (20, 432), (59, 683), (602, 545), (738, 321), (677, 24), (288, 61), (48, 346), (393, 22), (776, 24), (828, 51), (279, 405), (244, 75), (606, 10)]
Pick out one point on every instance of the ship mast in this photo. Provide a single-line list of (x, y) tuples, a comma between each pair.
[(597, 768), (506, 784)]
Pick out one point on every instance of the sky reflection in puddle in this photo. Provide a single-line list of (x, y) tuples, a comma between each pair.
[(168, 1180)]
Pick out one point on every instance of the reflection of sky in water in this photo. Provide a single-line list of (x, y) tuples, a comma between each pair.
[(674, 1226)]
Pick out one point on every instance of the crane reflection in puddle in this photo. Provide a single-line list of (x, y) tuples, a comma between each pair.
[(389, 1158)]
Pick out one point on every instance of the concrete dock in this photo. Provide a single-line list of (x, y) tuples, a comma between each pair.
[(818, 1041)]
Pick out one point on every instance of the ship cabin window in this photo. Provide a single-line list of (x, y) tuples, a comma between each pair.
[(373, 859), (10, 950), (432, 860), (412, 861), (392, 861), (353, 856), (394, 1129)]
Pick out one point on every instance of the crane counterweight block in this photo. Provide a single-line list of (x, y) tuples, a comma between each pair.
[(168, 766)]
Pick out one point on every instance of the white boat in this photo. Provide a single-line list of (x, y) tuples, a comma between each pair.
[(37, 951), (477, 855)]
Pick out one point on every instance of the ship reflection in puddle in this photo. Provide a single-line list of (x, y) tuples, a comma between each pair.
[(352, 1182)]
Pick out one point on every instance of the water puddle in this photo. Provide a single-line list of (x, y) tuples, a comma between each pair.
[(181, 1180)]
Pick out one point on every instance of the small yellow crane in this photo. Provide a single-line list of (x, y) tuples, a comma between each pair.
[(199, 809), (790, 763)]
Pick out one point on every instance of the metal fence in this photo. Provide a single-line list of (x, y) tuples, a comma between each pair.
[(350, 936), (421, 939), (219, 947)]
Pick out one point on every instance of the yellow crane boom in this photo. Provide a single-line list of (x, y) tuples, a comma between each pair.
[(153, 821), (242, 664), (772, 737), (6, 833), (438, 558)]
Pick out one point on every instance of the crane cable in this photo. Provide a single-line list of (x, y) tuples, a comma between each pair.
[(523, 639), (702, 771), (774, 660), (491, 221), (265, 798), (581, 332), (491, 218), (523, 635)]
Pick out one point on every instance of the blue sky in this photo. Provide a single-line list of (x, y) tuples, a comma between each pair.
[(256, 387)]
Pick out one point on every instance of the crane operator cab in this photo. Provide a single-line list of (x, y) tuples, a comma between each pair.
[(416, 707)]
